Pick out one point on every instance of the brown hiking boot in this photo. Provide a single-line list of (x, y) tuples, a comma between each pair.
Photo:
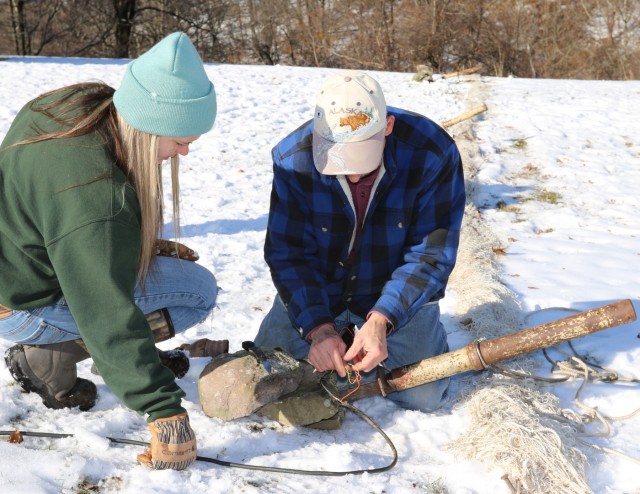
[(50, 371), (205, 348), (162, 329), (176, 361)]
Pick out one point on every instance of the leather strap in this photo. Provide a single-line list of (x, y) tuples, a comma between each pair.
[(4, 312)]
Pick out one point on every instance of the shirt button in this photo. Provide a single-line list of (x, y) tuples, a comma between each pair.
[(400, 225), (353, 277), (341, 264), (325, 229), (348, 299)]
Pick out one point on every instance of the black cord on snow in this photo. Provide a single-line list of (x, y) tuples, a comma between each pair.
[(245, 466)]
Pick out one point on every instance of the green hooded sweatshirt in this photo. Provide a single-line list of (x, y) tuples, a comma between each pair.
[(70, 227)]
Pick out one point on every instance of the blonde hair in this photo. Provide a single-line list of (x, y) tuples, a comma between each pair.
[(134, 152), (145, 174)]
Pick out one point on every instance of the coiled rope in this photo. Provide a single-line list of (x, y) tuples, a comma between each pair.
[(579, 367)]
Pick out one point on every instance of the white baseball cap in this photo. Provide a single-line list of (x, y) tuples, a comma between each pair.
[(349, 125)]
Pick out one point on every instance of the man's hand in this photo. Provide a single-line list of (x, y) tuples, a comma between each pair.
[(173, 444), (327, 349), (369, 346)]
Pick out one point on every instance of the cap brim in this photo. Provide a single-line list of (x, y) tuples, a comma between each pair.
[(348, 158)]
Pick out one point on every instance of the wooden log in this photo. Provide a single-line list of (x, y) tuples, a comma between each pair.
[(469, 71), (464, 116), (480, 354)]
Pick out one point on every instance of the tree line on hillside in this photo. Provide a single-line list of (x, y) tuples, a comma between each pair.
[(581, 39)]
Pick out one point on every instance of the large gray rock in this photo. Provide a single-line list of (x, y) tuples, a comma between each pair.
[(304, 408), (236, 385)]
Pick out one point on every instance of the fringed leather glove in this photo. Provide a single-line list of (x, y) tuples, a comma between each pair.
[(205, 347), (169, 248), (173, 444)]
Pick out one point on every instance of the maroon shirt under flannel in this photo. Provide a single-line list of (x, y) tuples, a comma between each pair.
[(361, 192)]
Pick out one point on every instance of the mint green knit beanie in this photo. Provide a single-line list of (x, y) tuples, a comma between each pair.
[(166, 91)]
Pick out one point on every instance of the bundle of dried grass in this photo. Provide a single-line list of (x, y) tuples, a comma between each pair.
[(513, 427), (519, 430), (487, 307)]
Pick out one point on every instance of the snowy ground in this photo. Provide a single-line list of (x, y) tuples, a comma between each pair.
[(555, 174)]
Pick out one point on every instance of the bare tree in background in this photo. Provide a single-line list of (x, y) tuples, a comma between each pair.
[(35, 24), (615, 25), (215, 30), (18, 23), (367, 30), (125, 12), (311, 33), (263, 29), (114, 28), (526, 38), (430, 32)]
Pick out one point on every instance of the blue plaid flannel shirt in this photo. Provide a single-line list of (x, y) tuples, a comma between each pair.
[(409, 239)]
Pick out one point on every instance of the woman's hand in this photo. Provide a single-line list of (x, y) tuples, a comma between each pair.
[(173, 444)]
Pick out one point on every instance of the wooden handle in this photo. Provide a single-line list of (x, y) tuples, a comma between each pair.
[(555, 332), (478, 355)]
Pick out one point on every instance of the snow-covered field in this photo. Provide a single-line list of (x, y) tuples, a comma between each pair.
[(554, 172)]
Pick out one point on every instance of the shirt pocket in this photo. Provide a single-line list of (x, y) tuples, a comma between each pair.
[(389, 228), (333, 234)]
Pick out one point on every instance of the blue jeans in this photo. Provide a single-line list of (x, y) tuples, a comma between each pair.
[(422, 337), (185, 288)]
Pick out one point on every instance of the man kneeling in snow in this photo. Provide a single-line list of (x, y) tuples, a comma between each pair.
[(366, 206)]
